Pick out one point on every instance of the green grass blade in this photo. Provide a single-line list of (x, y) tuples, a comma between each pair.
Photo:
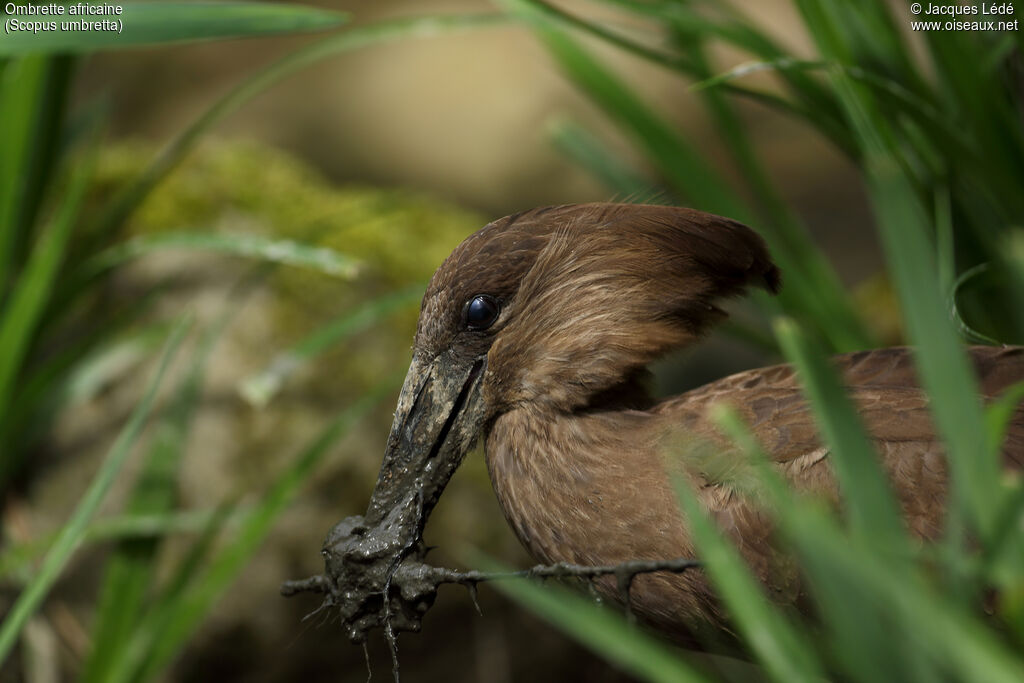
[(1003, 559), (47, 385), (967, 332), (601, 630), (942, 635), (554, 15), (268, 249), (982, 104), (21, 317), (689, 174), (160, 637), (944, 370), (21, 86), (999, 413), (810, 100), (867, 495), (86, 374), (32, 103), (17, 561), (130, 569), (156, 23), (353, 39), (785, 652), (1004, 556), (260, 388), (580, 145), (132, 657), (887, 91), (71, 534)]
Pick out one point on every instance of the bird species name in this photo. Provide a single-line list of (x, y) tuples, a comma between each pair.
[(77, 9)]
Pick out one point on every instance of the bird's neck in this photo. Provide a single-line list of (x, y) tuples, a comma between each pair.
[(576, 486)]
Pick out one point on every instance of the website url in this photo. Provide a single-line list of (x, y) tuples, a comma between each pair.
[(966, 25)]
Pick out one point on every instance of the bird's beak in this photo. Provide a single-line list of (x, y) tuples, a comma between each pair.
[(439, 416)]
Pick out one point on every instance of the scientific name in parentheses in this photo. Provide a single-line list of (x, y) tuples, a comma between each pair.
[(984, 9), (78, 9)]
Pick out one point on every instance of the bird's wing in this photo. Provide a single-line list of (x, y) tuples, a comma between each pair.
[(882, 383), (894, 410)]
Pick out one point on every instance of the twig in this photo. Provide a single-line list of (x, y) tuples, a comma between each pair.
[(625, 572)]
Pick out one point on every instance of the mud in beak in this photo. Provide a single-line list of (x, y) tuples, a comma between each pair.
[(437, 421), (439, 416)]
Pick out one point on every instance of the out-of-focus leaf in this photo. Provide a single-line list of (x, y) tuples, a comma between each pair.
[(601, 630), (163, 631), (20, 318), (131, 567), (846, 577), (259, 389), (785, 651), (286, 252), (867, 496), (33, 94), (16, 560), (585, 149), (903, 228), (72, 533)]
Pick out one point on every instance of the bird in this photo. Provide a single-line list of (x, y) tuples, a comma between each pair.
[(535, 336)]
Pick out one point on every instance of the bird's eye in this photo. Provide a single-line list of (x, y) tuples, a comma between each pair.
[(481, 312)]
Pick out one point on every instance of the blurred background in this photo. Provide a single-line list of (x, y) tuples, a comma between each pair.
[(293, 215)]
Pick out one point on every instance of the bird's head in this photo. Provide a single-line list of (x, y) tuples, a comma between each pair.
[(550, 309)]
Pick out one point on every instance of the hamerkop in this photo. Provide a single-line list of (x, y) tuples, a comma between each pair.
[(535, 334)]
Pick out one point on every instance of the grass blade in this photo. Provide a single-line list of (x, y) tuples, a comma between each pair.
[(585, 149), (603, 631), (272, 250), (21, 316), (812, 102), (259, 389), (162, 634), (690, 175), (71, 534), (16, 561), (130, 569), (32, 102), (784, 651), (153, 23), (353, 39), (866, 492), (129, 660)]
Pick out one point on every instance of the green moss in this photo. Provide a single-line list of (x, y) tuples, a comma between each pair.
[(401, 235), (230, 187)]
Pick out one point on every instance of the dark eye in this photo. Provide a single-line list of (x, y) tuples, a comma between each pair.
[(481, 312)]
